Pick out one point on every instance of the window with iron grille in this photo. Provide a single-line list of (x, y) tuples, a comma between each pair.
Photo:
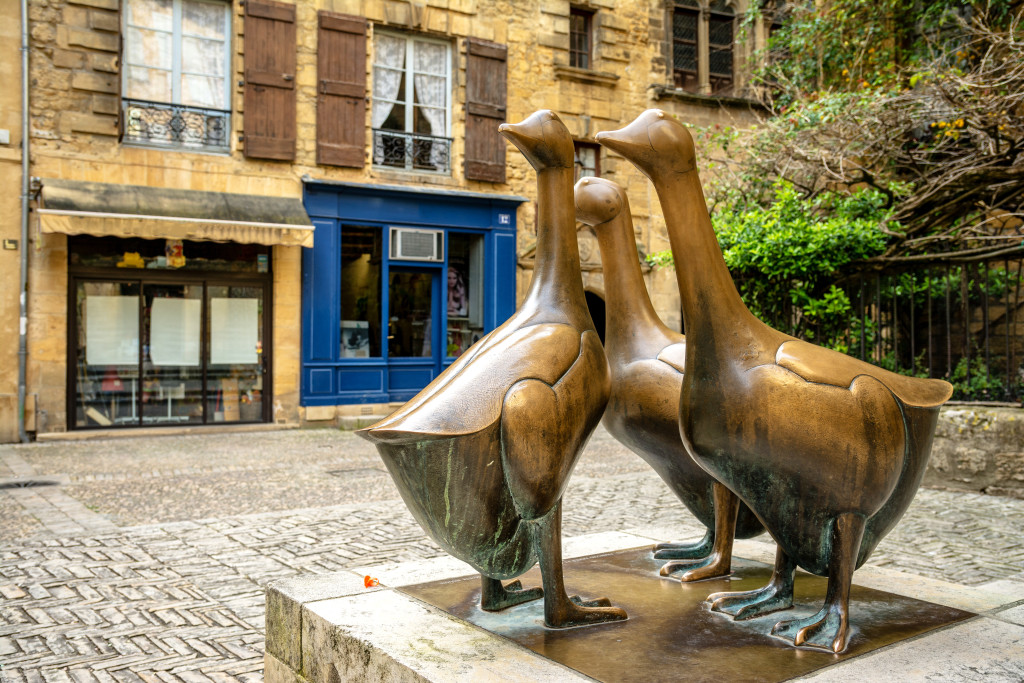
[(176, 86), (411, 103), (692, 61), (684, 44), (588, 160), (580, 23), (720, 23)]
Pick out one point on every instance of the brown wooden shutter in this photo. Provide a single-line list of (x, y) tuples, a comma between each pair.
[(269, 112), (341, 90), (485, 110)]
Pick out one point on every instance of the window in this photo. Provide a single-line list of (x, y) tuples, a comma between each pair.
[(702, 47), (411, 103), (684, 44), (580, 37), (465, 286), (177, 61), (361, 274), (587, 161), (720, 20)]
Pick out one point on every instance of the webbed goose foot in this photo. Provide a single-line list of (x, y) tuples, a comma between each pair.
[(494, 596), (777, 595), (685, 551), (718, 561), (561, 611), (829, 629)]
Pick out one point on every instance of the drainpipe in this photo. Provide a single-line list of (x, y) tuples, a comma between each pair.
[(25, 187)]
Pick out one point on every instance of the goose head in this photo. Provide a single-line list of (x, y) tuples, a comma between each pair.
[(655, 142), (543, 139), (598, 201)]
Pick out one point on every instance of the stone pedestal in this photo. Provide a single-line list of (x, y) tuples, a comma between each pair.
[(422, 624)]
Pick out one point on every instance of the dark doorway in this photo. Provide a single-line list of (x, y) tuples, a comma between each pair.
[(596, 306)]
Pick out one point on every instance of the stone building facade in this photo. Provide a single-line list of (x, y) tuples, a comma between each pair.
[(173, 140)]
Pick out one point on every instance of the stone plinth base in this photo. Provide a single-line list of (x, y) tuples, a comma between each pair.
[(331, 628)]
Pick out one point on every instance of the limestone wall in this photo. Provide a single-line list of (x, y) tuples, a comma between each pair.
[(979, 449), (75, 102)]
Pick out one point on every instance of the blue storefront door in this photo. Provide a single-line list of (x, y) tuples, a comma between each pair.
[(414, 323)]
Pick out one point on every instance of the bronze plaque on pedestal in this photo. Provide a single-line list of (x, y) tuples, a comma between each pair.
[(671, 634)]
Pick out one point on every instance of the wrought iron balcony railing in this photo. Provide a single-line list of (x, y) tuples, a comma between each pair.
[(176, 125), (411, 151)]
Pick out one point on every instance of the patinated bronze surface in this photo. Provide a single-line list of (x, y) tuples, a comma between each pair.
[(647, 361), (483, 454), (827, 451), (672, 635)]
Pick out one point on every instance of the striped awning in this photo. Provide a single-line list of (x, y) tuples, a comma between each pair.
[(108, 210)]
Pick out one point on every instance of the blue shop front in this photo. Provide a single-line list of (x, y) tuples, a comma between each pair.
[(399, 283)]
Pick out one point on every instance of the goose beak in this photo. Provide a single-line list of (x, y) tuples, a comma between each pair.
[(515, 134), (619, 142)]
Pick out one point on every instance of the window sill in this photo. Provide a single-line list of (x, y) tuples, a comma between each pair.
[(213, 151), (588, 76), (428, 177), (668, 92)]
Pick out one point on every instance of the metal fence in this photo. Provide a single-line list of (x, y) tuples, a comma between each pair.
[(962, 321)]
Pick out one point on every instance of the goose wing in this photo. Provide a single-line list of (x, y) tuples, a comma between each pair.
[(674, 355), (468, 397), (824, 366)]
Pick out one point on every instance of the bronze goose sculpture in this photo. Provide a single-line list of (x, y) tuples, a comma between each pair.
[(827, 450), (483, 454), (647, 365)]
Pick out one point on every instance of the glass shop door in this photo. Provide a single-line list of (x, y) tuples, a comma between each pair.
[(236, 366), (414, 320)]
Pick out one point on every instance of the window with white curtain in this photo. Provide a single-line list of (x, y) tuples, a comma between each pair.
[(411, 102), (177, 63)]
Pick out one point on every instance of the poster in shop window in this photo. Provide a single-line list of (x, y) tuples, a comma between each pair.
[(234, 331), (174, 332), (111, 330)]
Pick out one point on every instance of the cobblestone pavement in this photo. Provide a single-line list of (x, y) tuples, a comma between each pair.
[(147, 561)]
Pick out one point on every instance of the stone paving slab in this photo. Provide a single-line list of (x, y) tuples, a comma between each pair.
[(174, 591)]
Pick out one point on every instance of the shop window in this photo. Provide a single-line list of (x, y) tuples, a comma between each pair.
[(174, 255), (580, 39), (177, 58), (360, 292), (587, 161), (411, 103), (465, 287), (703, 65), (166, 332)]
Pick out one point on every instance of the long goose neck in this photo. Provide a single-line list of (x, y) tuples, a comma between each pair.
[(557, 280), (709, 297), (632, 327)]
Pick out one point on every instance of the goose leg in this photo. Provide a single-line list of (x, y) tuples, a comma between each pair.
[(559, 610), (719, 561), (830, 628), (495, 597), (777, 595), (685, 551)]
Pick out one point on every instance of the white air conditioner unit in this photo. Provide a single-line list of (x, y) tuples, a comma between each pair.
[(410, 244)]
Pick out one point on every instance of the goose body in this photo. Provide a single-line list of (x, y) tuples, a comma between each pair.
[(827, 450), (483, 454), (647, 362)]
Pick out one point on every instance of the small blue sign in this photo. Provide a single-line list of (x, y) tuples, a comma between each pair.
[(504, 219)]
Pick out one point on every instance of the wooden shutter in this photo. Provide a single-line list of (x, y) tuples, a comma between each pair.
[(269, 112), (485, 110), (341, 90)]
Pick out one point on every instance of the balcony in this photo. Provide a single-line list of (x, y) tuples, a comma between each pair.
[(157, 124), (411, 151)]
